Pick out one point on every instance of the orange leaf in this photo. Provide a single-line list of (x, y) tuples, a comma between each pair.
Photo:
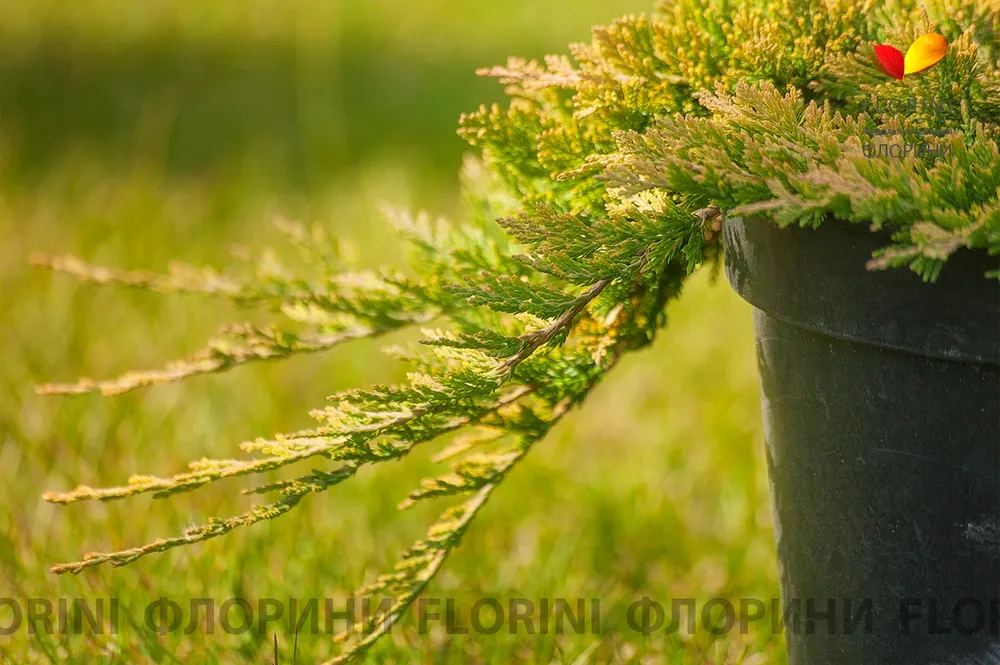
[(926, 52)]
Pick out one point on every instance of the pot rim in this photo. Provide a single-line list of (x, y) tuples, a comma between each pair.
[(817, 279)]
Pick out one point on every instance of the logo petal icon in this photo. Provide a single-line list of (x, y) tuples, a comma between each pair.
[(891, 60), (926, 52)]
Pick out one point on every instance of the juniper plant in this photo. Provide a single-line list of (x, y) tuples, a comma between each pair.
[(599, 189)]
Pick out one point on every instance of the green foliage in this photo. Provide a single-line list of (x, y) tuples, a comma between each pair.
[(609, 175), (516, 349), (917, 158)]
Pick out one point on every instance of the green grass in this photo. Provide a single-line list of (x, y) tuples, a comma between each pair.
[(176, 131)]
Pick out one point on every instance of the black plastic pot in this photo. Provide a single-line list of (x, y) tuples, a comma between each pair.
[(881, 404)]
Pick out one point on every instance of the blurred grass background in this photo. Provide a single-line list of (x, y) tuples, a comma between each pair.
[(137, 133)]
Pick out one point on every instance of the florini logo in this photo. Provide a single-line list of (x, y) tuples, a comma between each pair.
[(934, 112), (924, 53)]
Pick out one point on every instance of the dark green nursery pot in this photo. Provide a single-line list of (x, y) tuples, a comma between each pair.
[(881, 403)]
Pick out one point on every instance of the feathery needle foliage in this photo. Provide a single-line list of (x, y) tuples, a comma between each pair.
[(600, 188)]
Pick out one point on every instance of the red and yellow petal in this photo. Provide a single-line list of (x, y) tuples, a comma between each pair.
[(890, 60), (926, 52)]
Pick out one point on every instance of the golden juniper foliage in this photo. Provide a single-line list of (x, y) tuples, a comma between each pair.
[(606, 172)]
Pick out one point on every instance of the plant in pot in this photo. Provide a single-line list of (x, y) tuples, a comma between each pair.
[(607, 181)]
